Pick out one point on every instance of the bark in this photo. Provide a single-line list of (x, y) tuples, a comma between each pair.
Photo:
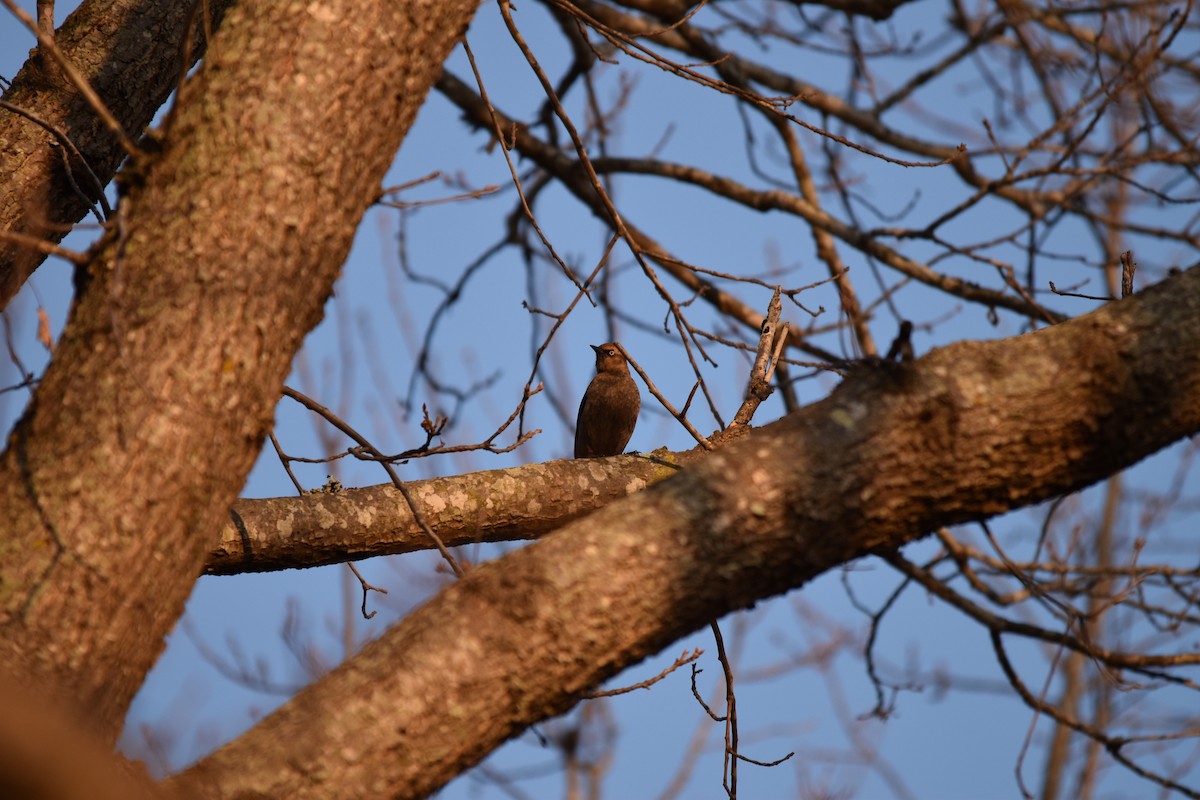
[(131, 52), (163, 384), (492, 506), (897, 450)]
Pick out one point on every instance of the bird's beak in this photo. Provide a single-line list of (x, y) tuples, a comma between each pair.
[(596, 348)]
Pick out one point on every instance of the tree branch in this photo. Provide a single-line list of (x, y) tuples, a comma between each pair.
[(490, 506)]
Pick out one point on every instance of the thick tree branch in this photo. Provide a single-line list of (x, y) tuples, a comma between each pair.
[(491, 506), (899, 449)]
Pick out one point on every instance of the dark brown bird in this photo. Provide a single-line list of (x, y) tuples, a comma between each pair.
[(609, 408)]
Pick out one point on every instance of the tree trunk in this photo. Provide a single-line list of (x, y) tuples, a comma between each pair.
[(163, 385)]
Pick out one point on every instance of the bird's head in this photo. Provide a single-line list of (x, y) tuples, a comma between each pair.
[(610, 357)]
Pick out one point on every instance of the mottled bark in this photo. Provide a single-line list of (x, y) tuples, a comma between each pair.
[(899, 449), (491, 506), (131, 52), (164, 382)]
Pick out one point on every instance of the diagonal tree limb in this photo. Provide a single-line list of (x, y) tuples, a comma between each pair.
[(898, 450)]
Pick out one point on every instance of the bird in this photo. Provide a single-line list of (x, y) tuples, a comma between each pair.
[(609, 409), (902, 349)]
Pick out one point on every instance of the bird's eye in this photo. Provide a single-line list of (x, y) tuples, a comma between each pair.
[(610, 352)]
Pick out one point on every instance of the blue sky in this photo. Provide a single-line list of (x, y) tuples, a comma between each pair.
[(360, 360)]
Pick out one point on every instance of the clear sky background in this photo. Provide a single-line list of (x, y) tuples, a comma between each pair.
[(940, 742)]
